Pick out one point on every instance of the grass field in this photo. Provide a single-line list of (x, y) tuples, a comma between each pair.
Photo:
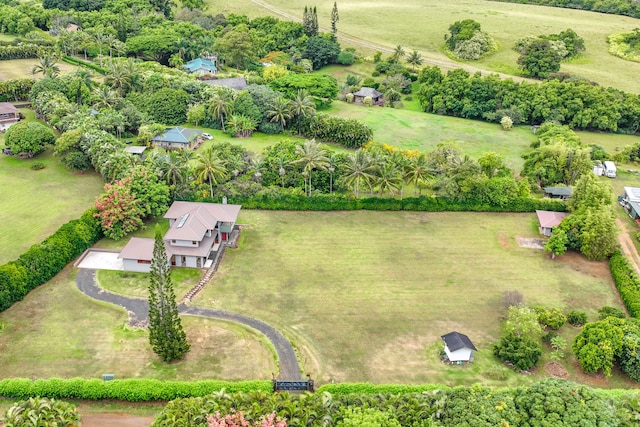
[(34, 204), (136, 284), (365, 295), (422, 24), (21, 68), (58, 332), (414, 130)]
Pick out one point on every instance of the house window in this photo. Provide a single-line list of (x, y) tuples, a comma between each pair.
[(173, 242), (194, 243), (144, 261)]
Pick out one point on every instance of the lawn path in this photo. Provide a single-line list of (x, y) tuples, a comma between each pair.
[(366, 44), (138, 310)]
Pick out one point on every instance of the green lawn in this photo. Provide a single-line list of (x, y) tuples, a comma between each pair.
[(34, 204), (58, 332), (422, 24), (365, 296), (414, 130), (137, 284), (21, 68)]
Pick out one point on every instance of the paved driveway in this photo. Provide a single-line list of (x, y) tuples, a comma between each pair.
[(100, 260)]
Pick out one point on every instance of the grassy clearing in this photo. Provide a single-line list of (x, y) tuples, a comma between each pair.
[(137, 284), (365, 296), (58, 332), (21, 68), (413, 130), (390, 23), (35, 203)]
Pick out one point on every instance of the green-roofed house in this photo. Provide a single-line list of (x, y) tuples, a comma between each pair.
[(177, 137), (202, 67), (630, 201), (562, 193)]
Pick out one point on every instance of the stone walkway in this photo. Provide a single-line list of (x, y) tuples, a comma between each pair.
[(138, 310)]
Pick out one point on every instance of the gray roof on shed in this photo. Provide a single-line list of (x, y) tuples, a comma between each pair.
[(368, 91), (456, 341)]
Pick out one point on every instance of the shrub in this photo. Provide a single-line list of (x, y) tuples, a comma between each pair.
[(576, 318), (522, 352), (368, 101), (553, 318), (36, 166), (549, 336), (41, 412), (627, 283), (512, 298), (345, 58), (375, 74), (506, 123), (349, 97), (607, 311)]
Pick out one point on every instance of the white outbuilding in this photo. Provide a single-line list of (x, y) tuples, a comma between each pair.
[(458, 347)]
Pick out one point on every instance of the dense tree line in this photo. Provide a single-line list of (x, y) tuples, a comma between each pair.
[(576, 103), (614, 7)]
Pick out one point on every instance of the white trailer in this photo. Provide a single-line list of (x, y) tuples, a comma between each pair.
[(610, 169)]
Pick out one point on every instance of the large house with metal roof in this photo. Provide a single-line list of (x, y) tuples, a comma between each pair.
[(196, 233), (177, 137), (201, 66)]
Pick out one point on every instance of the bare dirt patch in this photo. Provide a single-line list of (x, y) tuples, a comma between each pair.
[(578, 262), (115, 420), (503, 240), (555, 369), (531, 243)]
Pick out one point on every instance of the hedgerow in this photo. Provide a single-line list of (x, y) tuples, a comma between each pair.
[(335, 202), (368, 388), (44, 260), (627, 282), (130, 390), (75, 61)]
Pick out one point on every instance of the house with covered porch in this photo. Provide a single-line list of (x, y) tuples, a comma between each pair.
[(630, 201), (196, 233), (8, 115)]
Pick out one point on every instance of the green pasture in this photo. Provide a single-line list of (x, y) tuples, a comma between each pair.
[(58, 332), (422, 24), (136, 284), (365, 296), (34, 204), (21, 68), (414, 130)]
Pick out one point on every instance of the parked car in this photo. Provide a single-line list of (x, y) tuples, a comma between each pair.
[(207, 136)]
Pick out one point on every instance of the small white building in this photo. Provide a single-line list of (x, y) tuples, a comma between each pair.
[(458, 347)]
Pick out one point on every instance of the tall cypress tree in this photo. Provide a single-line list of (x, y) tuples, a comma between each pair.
[(334, 19), (314, 22), (165, 328)]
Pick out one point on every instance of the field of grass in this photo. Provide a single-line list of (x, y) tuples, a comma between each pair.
[(365, 296), (414, 130), (58, 332), (34, 204), (136, 284), (21, 68), (422, 24)]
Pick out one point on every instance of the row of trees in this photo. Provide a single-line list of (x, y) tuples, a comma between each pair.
[(577, 104), (614, 7)]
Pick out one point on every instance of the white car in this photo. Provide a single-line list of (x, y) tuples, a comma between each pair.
[(207, 136)]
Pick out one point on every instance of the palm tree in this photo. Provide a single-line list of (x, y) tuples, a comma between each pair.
[(398, 53), (84, 78), (100, 39), (111, 41), (209, 167), (280, 112), (414, 59), (221, 106), (331, 168), (174, 168), (302, 106), (312, 156), (418, 172), (389, 178), (257, 163), (282, 168), (47, 66), (358, 170), (105, 98), (118, 78)]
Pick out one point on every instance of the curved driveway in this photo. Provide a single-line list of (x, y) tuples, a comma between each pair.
[(138, 310)]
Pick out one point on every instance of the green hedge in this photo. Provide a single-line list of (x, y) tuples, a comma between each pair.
[(130, 390), (327, 202), (368, 388), (627, 282), (79, 63), (44, 260)]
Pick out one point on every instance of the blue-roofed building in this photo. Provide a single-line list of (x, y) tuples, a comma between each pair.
[(177, 137), (202, 67)]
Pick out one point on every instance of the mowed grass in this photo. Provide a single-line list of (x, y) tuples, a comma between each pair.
[(136, 284), (422, 24), (58, 332), (21, 68), (414, 130), (365, 296), (34, 204)]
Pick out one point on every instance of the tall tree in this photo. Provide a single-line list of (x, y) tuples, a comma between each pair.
[(358, 170), (414, 59), (166, 335), (334, 19), (280, 112), (47, 66), (312, 156), (210, 167)]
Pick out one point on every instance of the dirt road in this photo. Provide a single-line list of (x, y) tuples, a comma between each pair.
[(627, 246), (115, 420)]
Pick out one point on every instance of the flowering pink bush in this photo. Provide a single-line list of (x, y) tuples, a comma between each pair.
[(236, 419)]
